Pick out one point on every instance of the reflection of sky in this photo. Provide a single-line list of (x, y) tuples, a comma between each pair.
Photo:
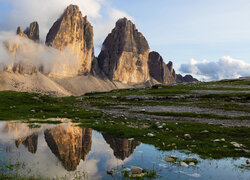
[(101, 158)]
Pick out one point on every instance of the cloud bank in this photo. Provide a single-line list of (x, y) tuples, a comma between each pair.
[(225, 68), (19, 50)]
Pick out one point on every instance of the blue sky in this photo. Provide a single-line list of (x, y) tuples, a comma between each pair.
[(179, 30)]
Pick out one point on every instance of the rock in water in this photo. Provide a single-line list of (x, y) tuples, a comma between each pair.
[(73, 31), (32, 32), (136, 170), (124, 55), (159, 70)]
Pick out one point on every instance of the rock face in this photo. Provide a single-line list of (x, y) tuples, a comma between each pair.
[(20, 32), (123, 148), (187, 78), (159, 70), (70, 144), (171, 69), (73, 31), (124, 55), (32, 32)]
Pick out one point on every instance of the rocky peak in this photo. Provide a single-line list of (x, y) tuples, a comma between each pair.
[(33, 31), (159, 70), (124, 54), (187, 78), (171, 69), (20, 32), (73, 31)]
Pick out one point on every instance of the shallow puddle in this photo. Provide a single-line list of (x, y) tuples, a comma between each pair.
[(66, 151)]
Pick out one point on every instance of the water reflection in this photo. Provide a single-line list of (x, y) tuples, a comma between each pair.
[(29, 142), (122, 148), (64, 150), (69, 144)]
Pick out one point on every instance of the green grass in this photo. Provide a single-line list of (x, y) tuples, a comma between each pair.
[(173, 138), (25, 106), (31, 107)]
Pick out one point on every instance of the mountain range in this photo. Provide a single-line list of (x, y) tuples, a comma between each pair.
[(125, 60)]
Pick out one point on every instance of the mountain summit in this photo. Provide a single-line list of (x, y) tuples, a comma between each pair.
[(73, 31), (124, 54)]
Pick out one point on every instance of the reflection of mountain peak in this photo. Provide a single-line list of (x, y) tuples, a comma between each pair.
[(123, 148), (70, 145), (30, 142)]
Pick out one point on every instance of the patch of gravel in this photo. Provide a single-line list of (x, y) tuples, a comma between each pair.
[(204, 92), (182, 109), (228, 86), (225, 122)]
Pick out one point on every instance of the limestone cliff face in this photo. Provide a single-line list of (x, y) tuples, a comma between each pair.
[(73, 31), (32, 32), (123, 148), (124, 55), (70, 144), (159, 70)]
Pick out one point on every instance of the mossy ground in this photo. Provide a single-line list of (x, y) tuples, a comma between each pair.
[(33, 107)]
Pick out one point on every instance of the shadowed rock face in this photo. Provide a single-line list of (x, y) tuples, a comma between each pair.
[(123, 148), (187, 78), (70, 144), (171, 69), (32, 32), (74, 32), (124, 54), (159, 70), (29, 142)]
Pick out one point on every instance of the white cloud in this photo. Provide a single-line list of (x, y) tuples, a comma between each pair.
[(46, 12), (225, 68)]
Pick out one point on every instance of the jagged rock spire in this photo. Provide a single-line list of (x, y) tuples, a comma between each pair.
[(124, 54), (73, 31)]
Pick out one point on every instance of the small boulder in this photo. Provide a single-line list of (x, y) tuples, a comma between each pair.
[(191, 164), (247, 161), (136, 170), (205, 132), (184, 164), (169, 159), (237, 145), (150, 135), (187, 136)]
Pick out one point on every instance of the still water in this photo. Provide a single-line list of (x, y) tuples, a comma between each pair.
[(65, 151)]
